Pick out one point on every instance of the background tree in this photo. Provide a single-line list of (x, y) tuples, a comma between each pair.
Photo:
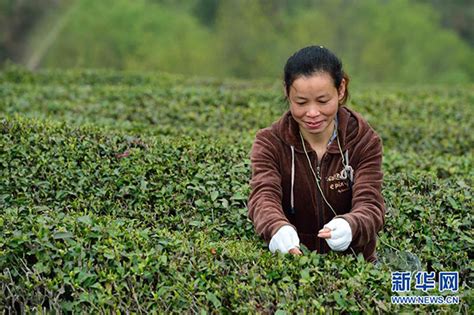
[(406, 41), (457, 15), (17, 18)]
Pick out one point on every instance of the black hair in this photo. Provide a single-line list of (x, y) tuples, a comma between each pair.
[(311, 60)]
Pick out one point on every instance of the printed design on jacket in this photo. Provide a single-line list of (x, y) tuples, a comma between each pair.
[(337, 183)]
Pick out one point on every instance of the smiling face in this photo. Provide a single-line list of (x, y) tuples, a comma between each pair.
[(314, 101)]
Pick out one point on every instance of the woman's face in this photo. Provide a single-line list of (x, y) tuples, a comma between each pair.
[(314, 101)]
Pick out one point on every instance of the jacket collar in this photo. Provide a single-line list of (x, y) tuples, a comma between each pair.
[(350, 128)]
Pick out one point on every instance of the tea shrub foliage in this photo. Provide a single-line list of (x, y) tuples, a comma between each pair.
[(127, 192)]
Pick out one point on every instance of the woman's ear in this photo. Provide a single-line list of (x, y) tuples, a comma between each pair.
[(285, 93), (342, 89)]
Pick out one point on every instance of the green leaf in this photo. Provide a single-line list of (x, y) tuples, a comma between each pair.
[(303, 260), (238, 196), (109, 254), (225, 203), (453, 203), (214, 195), (211, 297), (62, 235), (40, 267), (199, 203), (85, 219), (339, 299), (305, 274)]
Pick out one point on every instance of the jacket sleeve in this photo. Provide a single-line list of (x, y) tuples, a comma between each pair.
[(264, 204), (367, 215)]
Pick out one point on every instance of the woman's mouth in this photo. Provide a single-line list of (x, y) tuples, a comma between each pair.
[(313, 125)]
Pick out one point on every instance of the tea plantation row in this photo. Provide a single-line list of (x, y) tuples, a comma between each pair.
[(425, 119), (104, 208)]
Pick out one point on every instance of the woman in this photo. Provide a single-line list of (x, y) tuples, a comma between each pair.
[(316, 172)]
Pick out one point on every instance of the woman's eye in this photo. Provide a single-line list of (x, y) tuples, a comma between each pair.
[(323, 102), (300, 103)]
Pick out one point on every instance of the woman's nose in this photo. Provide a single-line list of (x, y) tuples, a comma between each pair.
[(312, 112)]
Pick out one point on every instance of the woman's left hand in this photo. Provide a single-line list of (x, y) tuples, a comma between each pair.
[(338, 234)]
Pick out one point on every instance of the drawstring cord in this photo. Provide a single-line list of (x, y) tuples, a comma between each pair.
[(292, 210), (351, 172), (348, 171)]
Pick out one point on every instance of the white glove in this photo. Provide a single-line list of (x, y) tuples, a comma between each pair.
[(341, 234), (284, 239)]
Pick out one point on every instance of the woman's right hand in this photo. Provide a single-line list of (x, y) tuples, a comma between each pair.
[(295, 251), (285, 240)]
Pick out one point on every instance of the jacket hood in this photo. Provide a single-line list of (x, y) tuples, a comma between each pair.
[(351, 127)]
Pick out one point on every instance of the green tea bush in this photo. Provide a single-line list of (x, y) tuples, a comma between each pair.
[(103, 209), (434, 119)]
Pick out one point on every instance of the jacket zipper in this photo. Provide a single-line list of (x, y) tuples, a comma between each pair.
[(319, 202)]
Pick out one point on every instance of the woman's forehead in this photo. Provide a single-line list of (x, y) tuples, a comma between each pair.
[(318, 83)]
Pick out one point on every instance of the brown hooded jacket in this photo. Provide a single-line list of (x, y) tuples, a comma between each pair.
[(277, 156)]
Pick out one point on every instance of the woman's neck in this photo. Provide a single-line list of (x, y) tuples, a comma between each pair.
[(319, 140)]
